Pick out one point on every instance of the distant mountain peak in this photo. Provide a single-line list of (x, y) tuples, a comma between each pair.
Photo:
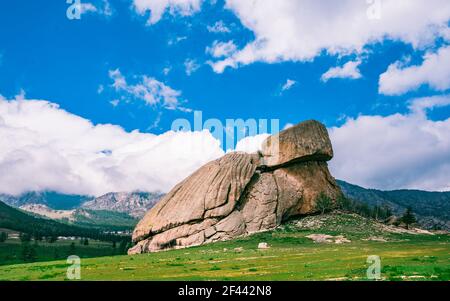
[(134, 203), (49, 203)]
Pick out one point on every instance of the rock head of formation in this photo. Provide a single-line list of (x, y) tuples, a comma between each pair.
[(242, 193)]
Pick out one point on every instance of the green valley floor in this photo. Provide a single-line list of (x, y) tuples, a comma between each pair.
[(291, 256)]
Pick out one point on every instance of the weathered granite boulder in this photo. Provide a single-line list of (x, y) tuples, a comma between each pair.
[(306, 141), (242, 193)]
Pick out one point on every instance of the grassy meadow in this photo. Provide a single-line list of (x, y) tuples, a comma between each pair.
[(291, 256)]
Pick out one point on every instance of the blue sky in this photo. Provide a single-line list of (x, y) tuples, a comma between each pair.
[(54, 58), (70, 62)]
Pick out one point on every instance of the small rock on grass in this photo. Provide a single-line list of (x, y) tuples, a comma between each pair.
[(263, 245), (324, 238)]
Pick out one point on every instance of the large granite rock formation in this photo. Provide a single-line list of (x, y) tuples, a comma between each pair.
[(242, 193)]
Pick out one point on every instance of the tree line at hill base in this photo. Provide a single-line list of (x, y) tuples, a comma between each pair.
[(29, 249)]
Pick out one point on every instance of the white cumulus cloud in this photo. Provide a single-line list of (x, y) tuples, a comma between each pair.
[(288, 85), (251, 144), (348, 70), (434, 72), (396, 151), (147, 89), (157, 8), (101, 8), (86, 8), (221, 49), (218, 27), (43, 147), (191, 66), (292, 30)]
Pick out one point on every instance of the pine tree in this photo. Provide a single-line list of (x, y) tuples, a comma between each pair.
[(123, 246), (408, 217), (3, 236), (324, 203), (72, 249), (53, 238), (28, 252), (24, 237), (344, 203), (56, 253), (387, 211)]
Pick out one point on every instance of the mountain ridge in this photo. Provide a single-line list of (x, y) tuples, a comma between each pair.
[(432, 208), (134, 203), (101, 219)]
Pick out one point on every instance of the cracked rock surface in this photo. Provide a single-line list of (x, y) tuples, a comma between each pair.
[(242, 193)]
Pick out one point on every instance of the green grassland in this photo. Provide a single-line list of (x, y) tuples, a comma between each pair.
[(291, 256)]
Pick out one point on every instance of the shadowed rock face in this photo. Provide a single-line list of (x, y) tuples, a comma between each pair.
[(243, 193)]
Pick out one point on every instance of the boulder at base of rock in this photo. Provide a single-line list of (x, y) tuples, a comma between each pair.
[(324, 238), (242, 193), (263, 245)]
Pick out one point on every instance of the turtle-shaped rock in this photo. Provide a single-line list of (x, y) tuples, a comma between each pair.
[(243, 193)]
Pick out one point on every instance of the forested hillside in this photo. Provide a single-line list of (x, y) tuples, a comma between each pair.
[(14, 219)]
